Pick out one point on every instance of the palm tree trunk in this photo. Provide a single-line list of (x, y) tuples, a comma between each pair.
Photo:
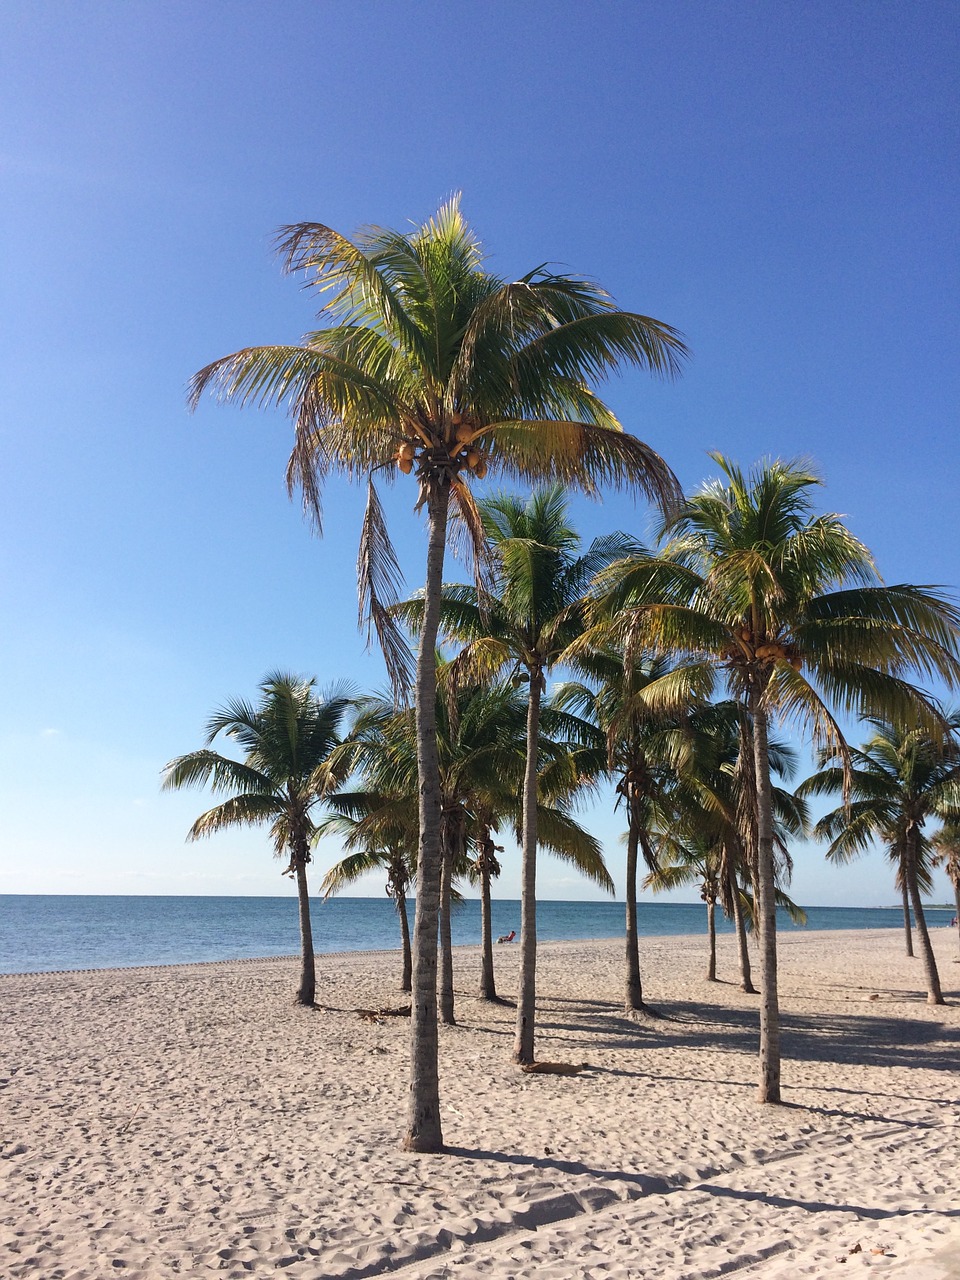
[(906, 911), (746, 977), (446, 942), (712, 935), (956, 899), (633, 999), (769, 1079), (424, 1131), (934, 993), (307, 993), (488, 987), (527, 993), (405, 975)]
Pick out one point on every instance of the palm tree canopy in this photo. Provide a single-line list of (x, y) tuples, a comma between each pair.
[(532, 607), (288, 738), (431, 363), (481, 748), (785, 602), (898, 779)]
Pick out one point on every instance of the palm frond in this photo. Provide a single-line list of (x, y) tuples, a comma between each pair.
[(379, 578)]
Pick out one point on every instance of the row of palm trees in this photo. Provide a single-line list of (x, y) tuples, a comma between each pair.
[(683, 767), (431, 365)]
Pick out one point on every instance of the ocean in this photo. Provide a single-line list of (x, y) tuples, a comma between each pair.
[(48, 933)]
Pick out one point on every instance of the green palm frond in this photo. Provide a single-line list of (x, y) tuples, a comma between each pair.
[(288, 737), (567, 840), (220, 773)]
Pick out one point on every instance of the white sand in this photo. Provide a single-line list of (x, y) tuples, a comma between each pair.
[(190, 1120)]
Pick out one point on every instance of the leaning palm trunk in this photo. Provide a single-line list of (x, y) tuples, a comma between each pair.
[(446, 941), (746, 977), (633, 999), (307, 993), (934, 993), (905, 892), (712, 936), (527, 994), (424, 1132), (769, 1079)]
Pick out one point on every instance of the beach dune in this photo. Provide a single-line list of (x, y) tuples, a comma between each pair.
[(191, 1120)]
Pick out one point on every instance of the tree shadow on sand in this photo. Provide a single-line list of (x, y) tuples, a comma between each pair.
[(839, 1039)]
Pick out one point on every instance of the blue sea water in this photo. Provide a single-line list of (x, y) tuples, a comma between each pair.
[(44, 933)]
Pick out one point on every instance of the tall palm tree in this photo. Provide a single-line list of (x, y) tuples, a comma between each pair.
[(898, 779), (433, 365), (522, 621), (286, 772), (787, 607)]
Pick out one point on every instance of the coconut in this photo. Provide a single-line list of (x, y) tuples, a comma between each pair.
[(406, 450), (405, 465)]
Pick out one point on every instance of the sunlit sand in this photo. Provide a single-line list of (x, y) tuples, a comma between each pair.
[(191, 1120)]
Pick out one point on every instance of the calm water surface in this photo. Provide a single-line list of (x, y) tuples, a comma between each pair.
[(43, 933)]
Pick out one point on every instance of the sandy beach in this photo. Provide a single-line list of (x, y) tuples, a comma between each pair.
[(190, 1120)]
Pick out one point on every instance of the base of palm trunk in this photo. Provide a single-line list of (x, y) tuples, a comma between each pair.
[(422, 1144), (642, 1013)]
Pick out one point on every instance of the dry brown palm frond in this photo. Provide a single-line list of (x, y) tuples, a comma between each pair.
[(469, 540), (378, 581)]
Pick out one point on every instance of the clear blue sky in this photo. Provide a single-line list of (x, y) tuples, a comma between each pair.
[(779, 181)]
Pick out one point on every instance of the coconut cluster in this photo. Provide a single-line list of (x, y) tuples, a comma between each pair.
[(769, 651), (473, 458)]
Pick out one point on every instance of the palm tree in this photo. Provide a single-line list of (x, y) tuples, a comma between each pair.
[(641, 755), (897, 780), (946, 842), (433, 365), (286, 772), (476, 760), (380, 833), (787, 607), (703, 843), (716, 807), (481, 750), (521, 622)]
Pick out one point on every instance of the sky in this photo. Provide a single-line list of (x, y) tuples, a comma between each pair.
[(778, 181)]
